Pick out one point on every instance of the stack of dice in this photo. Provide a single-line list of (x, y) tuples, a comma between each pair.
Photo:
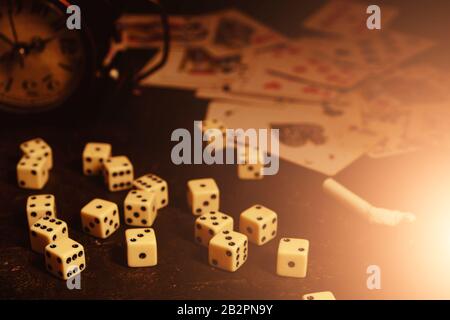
[(33, 169), (64, 257)]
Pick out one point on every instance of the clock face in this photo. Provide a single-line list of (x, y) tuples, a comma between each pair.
[(41, 61)]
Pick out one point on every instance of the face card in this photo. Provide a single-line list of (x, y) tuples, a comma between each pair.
[(308, 137), (236, 31), (195, 67), (347, 18)]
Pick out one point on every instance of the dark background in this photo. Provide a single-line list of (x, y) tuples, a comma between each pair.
[(413, 258)]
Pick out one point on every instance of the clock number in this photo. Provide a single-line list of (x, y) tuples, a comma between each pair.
[(50, 83), (7, 84), (30, 86)]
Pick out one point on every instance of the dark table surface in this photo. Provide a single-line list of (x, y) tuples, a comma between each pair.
[(413, 258)]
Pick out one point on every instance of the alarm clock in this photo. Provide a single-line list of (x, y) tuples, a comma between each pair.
[(43, 64)]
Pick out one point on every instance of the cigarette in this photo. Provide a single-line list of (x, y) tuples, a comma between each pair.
[(356, 204), (347, 198)]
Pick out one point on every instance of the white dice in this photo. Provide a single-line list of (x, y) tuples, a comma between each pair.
[(203, 196), (38, 148), (228, 250), (95, 155), (39, 206), (250, 163), (118, 173), (141, 247), (140, 208), (32, 172), (45, 231), (213, 127), (259, 224), (210, 224), (324, 295), (100, 218), (65, 258), (153, 183), (292, 257)]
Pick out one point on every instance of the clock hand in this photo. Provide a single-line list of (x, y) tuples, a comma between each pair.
[(11, 21), (6, 39)]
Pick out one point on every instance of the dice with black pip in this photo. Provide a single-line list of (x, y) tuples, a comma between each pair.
[(45, 231), (95, 155), (100, 218), (40, 205), (118, 173), (65, 258), (140, 208), (152, 183), (203, 196)]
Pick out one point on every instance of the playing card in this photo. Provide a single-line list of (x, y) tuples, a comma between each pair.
[(256, 99), (146, 30), (347, 18), (259, 81), (430, 125), (312, 60), (308, 136), (236, 31), (196, 67), (344, 63)]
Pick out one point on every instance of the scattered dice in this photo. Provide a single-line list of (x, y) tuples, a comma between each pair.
[(141, 247), (39, 206), (118, 173), (38, 148), (45, 231), (292, 257), (325, 295), (100, 218), (153, 183), (228, 250), (259, 224), (210, 224), (94, 156), (65, 258), (203, 196), (250, 163), (140, 208), (32, 172)]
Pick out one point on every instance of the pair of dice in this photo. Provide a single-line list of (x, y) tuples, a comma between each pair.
[(100, 218), (250, 159), (64, 257), (117, 171), (33, 169)]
